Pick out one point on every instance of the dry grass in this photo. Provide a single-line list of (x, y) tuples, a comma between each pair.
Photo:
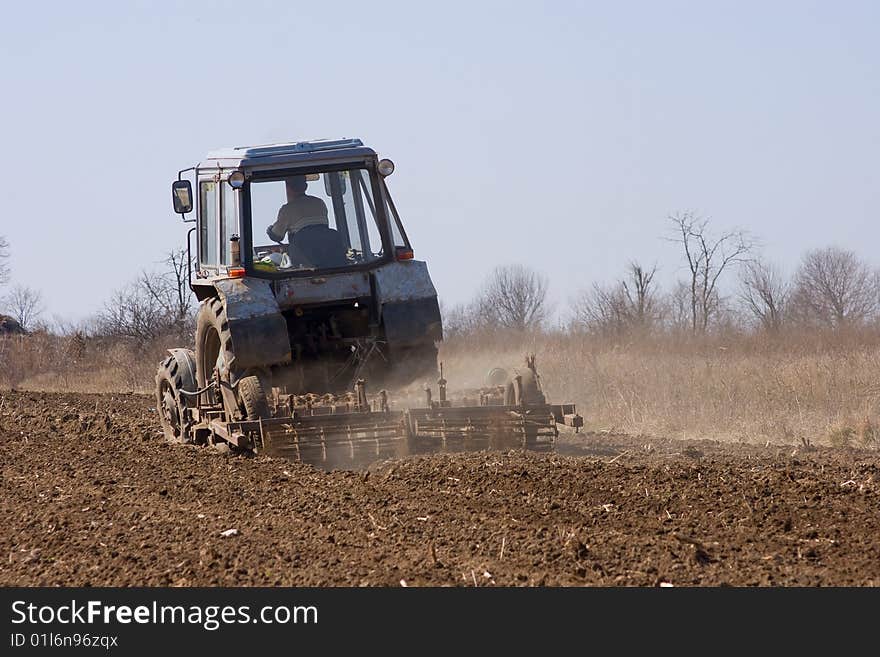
[(51, 363), (746, 388), (820, 387)]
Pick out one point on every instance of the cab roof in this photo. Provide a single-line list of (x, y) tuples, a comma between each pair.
[(286, 152)]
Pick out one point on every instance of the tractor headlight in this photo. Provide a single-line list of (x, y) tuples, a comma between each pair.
[(236, 179), (386, 167)]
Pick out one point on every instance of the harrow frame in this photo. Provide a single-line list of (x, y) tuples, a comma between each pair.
[(321, 428)]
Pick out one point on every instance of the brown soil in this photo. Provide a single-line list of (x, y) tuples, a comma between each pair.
[(91, 495)]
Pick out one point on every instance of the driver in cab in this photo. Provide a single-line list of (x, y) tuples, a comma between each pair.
[(303, 219), (300, 211)]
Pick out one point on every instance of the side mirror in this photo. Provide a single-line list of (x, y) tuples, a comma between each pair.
[(182, 195)]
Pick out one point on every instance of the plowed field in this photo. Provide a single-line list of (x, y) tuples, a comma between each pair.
[(91, 494)]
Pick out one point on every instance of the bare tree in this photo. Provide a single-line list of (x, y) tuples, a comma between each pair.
[(132, 312), (169, 289), (833, 287), (25, 305), (631, 304), (4, 257), (155, 304), (461, 319), (601, 309), (678, 307), (707, 258), (514, 297), (764, 293), (639, 290)]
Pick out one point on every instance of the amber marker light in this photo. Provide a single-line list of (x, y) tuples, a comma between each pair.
[(235, 272), (404, 253)]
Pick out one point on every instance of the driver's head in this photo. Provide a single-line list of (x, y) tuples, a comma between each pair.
[(296, 186)]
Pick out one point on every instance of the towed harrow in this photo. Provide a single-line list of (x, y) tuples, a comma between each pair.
[(355, 429)]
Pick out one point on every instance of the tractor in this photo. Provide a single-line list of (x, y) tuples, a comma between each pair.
[(308, 288)]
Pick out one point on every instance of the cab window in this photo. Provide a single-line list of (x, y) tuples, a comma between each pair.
[(208, 223), (228, 219), (315, 221), (398, 236)]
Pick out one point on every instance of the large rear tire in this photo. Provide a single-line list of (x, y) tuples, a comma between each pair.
[(215, 350), (213, 341)]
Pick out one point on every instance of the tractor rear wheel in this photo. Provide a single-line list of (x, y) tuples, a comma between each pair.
[(213, 342), (215, 350)]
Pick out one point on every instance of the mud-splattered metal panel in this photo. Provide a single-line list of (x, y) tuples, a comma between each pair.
[(404, 281), (246, 297), (320, 289), (258, 329)]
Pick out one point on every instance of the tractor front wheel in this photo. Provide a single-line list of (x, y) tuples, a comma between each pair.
[(252, 398), (176, 373)]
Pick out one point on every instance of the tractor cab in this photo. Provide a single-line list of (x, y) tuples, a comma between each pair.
[(300, 248), (292, 210)]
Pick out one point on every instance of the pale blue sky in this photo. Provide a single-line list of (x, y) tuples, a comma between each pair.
[(559, 135)]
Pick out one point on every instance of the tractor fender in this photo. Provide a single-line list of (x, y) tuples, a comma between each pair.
[(408, 304), (256, 325)]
